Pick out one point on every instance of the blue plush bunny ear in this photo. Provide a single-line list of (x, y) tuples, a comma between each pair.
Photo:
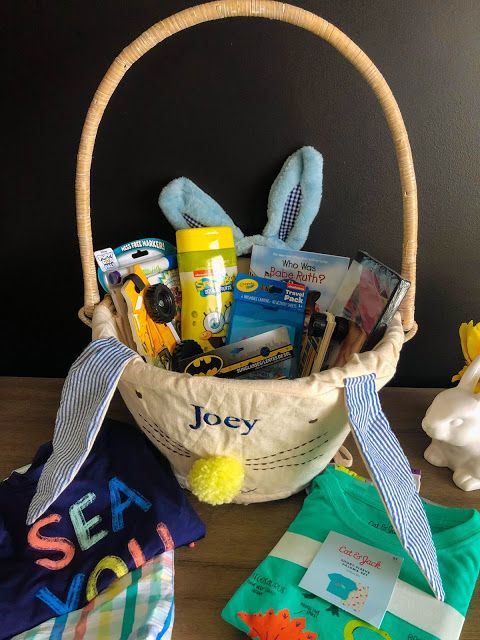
[(294, 199), (185, 206)]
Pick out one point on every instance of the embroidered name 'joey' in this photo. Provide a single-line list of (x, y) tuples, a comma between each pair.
[(203, 417)]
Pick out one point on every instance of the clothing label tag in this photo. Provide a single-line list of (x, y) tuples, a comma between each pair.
[(106, 259), (353, 576)]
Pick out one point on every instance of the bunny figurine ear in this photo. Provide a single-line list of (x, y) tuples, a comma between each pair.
[(185, 206), (471, 376), (294, 199)]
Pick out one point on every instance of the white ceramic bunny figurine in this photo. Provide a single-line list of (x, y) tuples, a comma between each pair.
[(453, 423)]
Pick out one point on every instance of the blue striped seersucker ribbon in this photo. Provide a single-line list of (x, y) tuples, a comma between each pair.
[(392, 475), (86, 395)]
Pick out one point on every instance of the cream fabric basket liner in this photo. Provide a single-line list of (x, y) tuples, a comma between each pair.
[(284, 431)]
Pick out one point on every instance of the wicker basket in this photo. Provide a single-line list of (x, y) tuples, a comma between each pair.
[(298, 425)]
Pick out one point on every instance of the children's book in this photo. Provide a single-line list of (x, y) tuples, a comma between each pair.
[(321, 273)]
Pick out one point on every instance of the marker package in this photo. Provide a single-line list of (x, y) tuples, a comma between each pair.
[(152, 254)]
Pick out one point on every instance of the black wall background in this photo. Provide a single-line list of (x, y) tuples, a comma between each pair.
[(225, 103)]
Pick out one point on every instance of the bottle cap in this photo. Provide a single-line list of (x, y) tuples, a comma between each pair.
[(204, 239)]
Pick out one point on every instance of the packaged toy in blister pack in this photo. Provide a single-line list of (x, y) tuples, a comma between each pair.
[(265, 356), (152, 254), (151, 309), (158, 261)]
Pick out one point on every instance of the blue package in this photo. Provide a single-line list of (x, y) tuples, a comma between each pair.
[(262, 304)]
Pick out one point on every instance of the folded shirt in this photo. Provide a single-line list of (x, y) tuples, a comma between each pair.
[(271, 604), (123, 507), (138, 606)]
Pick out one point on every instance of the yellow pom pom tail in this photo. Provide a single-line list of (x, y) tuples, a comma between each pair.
[(216, 480)]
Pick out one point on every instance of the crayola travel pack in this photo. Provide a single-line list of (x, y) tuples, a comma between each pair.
[(261, 304)]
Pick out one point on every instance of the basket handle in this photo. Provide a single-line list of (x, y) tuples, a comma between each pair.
[(260, 9)]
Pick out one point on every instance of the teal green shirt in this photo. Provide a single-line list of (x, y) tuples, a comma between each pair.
[(340, 502)]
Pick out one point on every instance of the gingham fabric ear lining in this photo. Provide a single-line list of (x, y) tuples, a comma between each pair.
[(392, 475), (290, 212), (191, 221)]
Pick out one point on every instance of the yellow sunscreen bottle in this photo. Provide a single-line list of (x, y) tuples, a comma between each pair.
[(207, 266)]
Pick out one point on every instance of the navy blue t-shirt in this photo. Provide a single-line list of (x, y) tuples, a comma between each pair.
[(123, 507)]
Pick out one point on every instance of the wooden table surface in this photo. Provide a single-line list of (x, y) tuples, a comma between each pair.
[(238, 536)]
